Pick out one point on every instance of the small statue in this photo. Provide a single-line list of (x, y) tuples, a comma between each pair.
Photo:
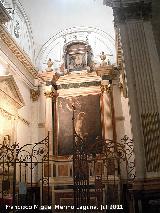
[(49, 73), (103, 57), (108, 62), (49, 64)]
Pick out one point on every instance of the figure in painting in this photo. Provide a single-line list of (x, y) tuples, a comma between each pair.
[(78, 59), (80, 125)]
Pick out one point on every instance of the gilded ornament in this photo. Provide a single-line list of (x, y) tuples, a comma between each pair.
[(34, 94)]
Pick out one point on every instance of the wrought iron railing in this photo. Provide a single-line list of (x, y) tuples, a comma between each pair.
[(22, 168)]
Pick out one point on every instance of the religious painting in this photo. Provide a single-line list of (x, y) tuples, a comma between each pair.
[(77, 61), (78, 56), (87, 121)]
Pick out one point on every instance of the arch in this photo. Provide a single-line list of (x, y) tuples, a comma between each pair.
[(19, 27), (95, 37)]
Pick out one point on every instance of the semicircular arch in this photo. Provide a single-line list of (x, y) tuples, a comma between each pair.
[(96, 38)]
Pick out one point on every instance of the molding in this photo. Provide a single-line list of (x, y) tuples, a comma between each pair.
[(16, 50), (78, 80), (108, 72), (10, 89), (4, 16), (120, 64), (5, 113), (21, 9), (9, 116), (147, 184), (23, 120), (82, 91), (78, 85)]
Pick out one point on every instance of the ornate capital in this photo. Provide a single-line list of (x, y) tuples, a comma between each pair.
[(132, 11), (106, 88), (50, 94), (34, 94)]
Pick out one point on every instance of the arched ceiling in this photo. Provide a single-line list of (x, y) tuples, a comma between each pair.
[(48, 17)]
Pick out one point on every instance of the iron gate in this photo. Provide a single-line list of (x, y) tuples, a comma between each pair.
[(113, 170), (23, 179)]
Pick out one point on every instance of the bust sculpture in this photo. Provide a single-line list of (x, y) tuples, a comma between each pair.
[(103, 58)]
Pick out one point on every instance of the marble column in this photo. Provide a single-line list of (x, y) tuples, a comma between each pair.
[(118, 113), (48, 122), (34, 94), (51, 123), (106, 110)]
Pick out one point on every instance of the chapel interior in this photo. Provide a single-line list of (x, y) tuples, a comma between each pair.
[(80, 106)]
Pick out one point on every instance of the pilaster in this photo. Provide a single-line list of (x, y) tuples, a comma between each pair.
[(141, 66), (106, 110)]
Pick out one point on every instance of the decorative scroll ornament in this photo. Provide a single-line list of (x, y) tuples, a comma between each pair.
[(35, 94), (50, 94), (108, 149), (9, 153), (28, 158)]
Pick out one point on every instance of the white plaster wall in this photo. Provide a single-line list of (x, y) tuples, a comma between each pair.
[(24, 133), (23, 130)]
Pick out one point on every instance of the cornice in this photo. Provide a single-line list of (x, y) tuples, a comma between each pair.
[(132, 11), (108, 72), (9, 88), (77, 85), (78, 79), (16, 50)]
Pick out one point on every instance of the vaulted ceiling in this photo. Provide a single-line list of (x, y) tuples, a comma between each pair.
[(48, 17)]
